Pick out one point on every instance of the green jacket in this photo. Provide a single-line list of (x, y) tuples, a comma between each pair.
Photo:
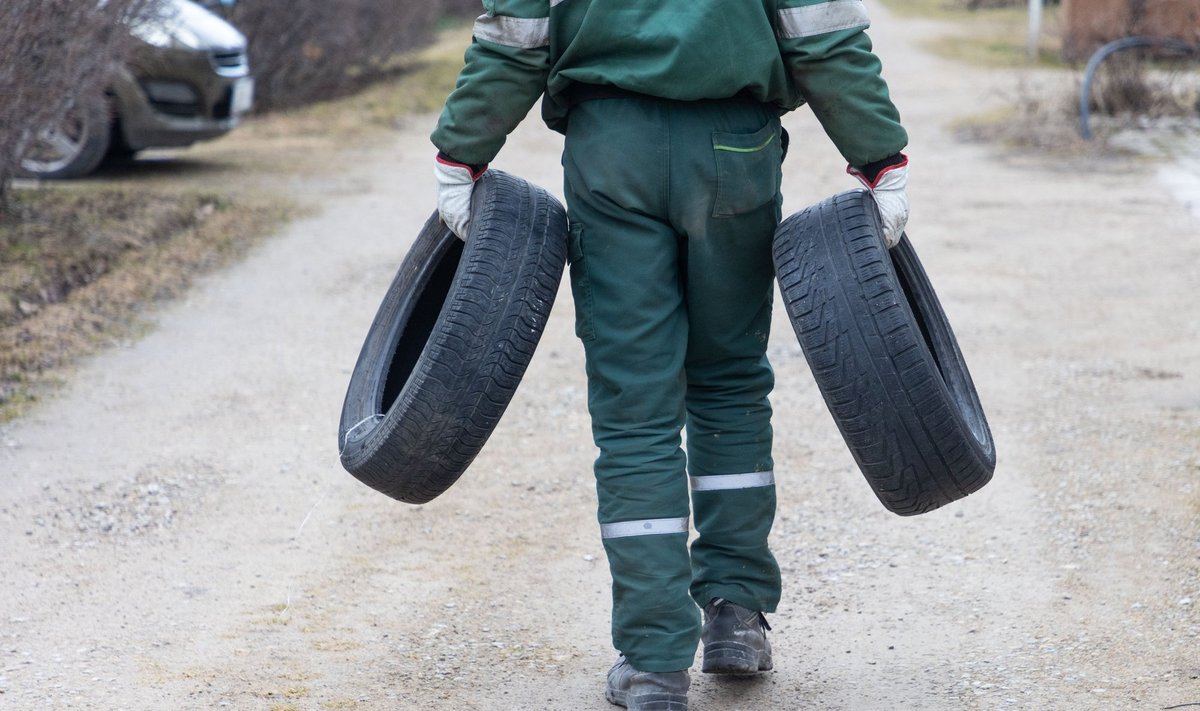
[(781, 52)]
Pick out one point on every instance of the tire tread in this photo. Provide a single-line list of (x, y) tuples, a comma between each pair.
[(905, 427)]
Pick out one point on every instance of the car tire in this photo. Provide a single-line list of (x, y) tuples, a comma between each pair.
[(451, 341), (883, 356), (74, 147)]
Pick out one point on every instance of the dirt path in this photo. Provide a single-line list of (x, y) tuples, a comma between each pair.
[(177, 533)]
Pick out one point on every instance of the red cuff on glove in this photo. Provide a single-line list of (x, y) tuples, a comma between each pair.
[(475, 170), (870, 173)]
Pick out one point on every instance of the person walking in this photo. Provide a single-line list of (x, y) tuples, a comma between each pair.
[(672, 171)]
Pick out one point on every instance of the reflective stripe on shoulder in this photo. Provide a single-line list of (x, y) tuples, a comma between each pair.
[(520, 32), (825, 17), (717, 482), (645, 527)]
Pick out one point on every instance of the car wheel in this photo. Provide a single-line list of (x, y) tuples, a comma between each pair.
[(73, 147), (883, 355), (451, 341)]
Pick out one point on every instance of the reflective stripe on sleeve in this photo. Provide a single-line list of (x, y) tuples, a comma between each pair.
[(646, 527), (520, 32), (717, 482), (830, 16)]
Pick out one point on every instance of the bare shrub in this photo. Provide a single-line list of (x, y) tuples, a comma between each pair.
[(1039, 112), (1146, 83), (55, 53), (309, 50), (1120, 86)]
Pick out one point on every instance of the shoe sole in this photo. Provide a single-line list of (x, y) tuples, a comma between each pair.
[(730, 658), (649, 702)]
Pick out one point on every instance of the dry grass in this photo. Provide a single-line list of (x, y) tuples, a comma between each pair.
[(993, 37), (1037, 116), (81, 268), (991, 45), (82, 265)]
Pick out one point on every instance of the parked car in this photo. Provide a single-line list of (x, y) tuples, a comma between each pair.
[(187, 80)]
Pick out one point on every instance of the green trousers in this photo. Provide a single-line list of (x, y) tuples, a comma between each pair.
[(673, 206)]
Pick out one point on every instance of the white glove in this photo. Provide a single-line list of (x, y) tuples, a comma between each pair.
[(455, 181), (891, 199)]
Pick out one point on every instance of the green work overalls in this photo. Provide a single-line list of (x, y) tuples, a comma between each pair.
[(672, 174)]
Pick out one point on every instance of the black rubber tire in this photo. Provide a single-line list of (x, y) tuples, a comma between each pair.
[(451, 341), (883, 355)]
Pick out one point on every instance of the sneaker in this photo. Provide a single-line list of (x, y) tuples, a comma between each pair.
[(735, 639), (647, 691)]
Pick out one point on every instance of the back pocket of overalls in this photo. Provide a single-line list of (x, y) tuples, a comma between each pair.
[(747, 169)]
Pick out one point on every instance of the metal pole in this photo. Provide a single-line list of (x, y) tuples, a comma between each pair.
[(1035, 28)]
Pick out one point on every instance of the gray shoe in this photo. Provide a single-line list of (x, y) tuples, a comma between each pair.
[(647, 691), (735, 639)]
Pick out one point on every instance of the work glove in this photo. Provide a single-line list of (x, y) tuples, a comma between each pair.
[(456, 181), (888, 187)]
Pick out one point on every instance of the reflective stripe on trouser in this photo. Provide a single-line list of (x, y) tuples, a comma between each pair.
[(673, 207)]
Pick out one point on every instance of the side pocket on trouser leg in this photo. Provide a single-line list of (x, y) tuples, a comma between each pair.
[(581, 288)]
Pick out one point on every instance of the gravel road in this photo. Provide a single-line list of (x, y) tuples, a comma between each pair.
[(177, 533)]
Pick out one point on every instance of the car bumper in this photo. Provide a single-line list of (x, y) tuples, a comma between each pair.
[(176, 98)]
